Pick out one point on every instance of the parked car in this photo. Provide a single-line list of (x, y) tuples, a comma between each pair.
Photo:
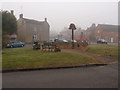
[(81, 40), (48, 42), (72, 41), (102, 41), (15, 44), (61, 40)]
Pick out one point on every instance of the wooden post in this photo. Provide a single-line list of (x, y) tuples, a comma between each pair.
[(72, 39), (72, 26)]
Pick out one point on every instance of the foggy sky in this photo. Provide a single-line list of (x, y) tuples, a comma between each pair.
[(61, 14)]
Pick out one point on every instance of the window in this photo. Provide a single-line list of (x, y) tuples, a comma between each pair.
[(34, 36)]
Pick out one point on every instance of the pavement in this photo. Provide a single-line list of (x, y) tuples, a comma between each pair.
[(83, 77)]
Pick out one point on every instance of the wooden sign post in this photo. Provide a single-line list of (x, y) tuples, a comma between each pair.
[(72, 27)]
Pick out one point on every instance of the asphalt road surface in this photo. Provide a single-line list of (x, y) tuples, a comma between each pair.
[(85, 77), (115, 44)]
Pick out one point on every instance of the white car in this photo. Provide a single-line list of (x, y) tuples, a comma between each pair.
[(102, 41)]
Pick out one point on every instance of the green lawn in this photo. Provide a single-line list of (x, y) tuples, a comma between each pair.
[(28, 58), (102, 49), (0, 60)]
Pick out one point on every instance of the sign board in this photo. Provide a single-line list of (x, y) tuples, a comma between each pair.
[(72, 26)]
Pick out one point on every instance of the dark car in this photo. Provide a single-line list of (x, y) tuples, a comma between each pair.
[(102, 41), (48, 42), (15, 44)]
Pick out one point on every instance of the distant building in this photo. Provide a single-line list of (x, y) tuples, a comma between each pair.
[(102, 31), (67, 34), (31, 30), (107, 32), (90, 33), (79, 34)]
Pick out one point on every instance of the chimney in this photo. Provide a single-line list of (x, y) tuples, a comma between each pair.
[(12, 12), (21, 16), (45, 19), (93, 25)]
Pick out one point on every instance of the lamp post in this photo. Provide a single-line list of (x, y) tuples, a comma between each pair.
[(72, 27)]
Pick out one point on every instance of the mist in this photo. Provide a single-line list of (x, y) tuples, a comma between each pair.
[(60, 14)]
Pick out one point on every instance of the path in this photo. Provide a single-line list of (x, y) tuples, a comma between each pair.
[(107, 59)]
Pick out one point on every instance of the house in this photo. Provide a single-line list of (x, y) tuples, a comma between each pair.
[(30, 30), (90, 33), (107, 32), (102, 31), (79, 34)]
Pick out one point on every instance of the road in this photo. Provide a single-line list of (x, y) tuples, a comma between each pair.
[(115, 44), (85, 77)]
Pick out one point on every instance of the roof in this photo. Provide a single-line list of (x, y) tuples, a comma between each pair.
[(109, 28), (33, 21)]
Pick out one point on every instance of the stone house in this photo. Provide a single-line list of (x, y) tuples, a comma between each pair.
[(30, 30)]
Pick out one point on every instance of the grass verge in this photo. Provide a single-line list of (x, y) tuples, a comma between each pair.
[(17, 58), (102, 49)]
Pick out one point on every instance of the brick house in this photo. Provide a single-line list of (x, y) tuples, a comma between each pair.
[(102, 31), (79, 34), (107, 32)]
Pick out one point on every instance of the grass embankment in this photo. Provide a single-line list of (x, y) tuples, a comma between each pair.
[(28, 58), (106, 50)]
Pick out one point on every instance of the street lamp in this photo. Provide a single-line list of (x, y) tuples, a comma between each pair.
[(72, 27)]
